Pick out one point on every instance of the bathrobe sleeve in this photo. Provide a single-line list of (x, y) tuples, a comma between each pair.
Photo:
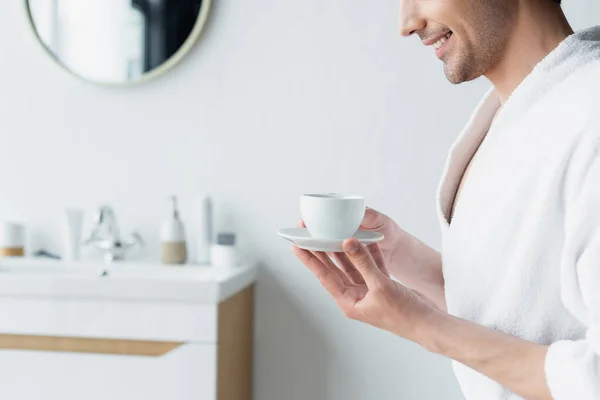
[(573, 366)]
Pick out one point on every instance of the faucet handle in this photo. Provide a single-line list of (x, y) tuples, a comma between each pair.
[(106, 227), (117, 250), (136, 239), (105, 236), (106, 221)]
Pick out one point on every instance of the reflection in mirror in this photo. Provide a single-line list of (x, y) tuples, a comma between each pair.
[(117, 41)]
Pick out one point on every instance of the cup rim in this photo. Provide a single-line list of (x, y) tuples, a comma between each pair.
[(332, 196)]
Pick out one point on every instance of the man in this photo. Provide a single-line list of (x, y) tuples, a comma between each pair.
[(514, 297)]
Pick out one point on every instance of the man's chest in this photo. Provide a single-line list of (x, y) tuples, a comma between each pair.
[(461, 184), (504, 199), (505, 232)]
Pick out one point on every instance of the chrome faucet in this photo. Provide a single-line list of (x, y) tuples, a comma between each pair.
[(106, 236)]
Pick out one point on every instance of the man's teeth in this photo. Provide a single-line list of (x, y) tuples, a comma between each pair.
[(441, 42)]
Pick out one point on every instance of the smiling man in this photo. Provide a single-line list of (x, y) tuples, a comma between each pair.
[(514, 296)]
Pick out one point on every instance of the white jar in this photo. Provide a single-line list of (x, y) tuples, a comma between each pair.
[(12, 239), (223, 256)]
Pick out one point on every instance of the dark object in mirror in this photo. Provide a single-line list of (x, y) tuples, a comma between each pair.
[(118, 41)]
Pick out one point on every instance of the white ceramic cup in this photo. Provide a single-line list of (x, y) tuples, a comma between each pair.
[(332, 216)]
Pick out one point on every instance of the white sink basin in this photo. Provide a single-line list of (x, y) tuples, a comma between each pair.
[(33, 277)]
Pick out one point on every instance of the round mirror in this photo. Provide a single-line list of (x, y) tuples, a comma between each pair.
[(118, 41)]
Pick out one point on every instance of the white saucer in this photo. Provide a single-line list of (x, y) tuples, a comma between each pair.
[(301, 238)]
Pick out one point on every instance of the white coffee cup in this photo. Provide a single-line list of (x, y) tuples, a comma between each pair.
[(332, 216)]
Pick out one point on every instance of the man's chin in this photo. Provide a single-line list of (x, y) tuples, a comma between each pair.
[(457, 75), (451, 76)]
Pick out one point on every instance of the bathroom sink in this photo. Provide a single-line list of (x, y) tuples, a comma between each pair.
[(40, 271), (123, 280)]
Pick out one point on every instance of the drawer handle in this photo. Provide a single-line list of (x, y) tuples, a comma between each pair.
[(87, 345)]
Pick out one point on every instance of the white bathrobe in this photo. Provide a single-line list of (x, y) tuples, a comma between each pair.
[(522, 253)]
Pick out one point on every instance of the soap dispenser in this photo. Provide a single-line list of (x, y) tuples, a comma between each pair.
[(173, 246)]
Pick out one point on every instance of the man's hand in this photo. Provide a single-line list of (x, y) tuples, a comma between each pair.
[(405, 257), (364, 290)]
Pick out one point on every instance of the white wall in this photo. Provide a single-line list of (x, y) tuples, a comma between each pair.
[(278, 98)]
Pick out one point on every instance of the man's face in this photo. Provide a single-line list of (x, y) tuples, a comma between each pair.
[(475, 32)]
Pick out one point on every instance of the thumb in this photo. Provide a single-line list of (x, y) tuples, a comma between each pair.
[(372, 220), (364, 262)]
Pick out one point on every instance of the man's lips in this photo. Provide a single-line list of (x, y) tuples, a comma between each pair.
[(434, 39)]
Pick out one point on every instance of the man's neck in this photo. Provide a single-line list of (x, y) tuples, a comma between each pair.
[(538, 30)]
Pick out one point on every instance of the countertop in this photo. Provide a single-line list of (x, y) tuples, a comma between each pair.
[(45, 278)]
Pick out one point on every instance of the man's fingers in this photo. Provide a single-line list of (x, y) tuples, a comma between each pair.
[(346, 265), (324, 258), (300, 224), (377, 255), (363, 261), (328, 277)]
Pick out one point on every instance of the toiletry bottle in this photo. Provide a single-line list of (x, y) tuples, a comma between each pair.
[(12, 239), (173, 246), (72, 239), (223, 254), (204, 229)]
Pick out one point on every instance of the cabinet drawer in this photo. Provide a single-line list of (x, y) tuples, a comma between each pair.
[(137, 320), (185, 373)]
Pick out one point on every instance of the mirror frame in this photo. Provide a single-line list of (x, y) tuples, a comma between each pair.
[(167, 65)]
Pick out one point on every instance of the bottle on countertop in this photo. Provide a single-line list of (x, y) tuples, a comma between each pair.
[(12, 239), (172, 236), (72, 233), (224, 253), (204, 230)]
